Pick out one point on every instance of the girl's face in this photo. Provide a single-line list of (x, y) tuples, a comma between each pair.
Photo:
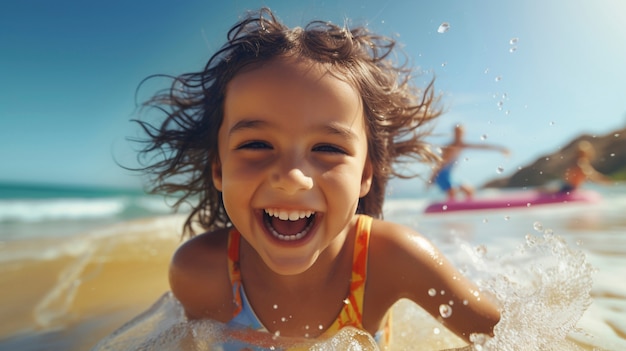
[(292, 161)]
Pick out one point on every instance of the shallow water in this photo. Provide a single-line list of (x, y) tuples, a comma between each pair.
[(556, 270)]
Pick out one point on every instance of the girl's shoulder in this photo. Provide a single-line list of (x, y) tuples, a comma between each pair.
[(394, 234), (199, 277), (205, 246), (401, 264), (397, 250)]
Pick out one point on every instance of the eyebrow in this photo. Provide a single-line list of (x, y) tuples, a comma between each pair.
[(340, 130), (333, 128), (247, 124)]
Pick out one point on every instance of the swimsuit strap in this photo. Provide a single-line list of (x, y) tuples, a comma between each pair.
[(233, 269), (352, 312)]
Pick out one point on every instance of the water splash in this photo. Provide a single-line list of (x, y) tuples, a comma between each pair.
[(543, 288), (541, 303)]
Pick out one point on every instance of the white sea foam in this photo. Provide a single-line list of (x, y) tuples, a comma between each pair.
[(69, 209), (60, 209)]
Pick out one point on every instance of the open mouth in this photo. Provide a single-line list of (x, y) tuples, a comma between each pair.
[(288, 225)]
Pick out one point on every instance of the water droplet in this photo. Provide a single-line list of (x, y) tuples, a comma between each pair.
[(552, 123), (346, 301), (306, 327), (465, 302), (451, 303), (485, 220), (275, 307), (432, 292), (444, 27), (483, 137), (499, 104), (507, 112), (445, 310), (436, 331), (486, 70), (444, 64), (612, 154), (320, 327), (513, 49), (500, 169), (442, 292), (616, 135), (538, 226), (283, 319), (513, 41), (498, 78), (444, 207), (276, 334), (506, 218)]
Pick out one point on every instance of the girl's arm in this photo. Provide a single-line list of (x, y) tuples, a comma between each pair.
[(502, 149), (404, 264)]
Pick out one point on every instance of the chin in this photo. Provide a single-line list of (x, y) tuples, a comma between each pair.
[(290, 266)]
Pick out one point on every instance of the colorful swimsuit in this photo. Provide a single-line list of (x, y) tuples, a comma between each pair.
[(351, 313)]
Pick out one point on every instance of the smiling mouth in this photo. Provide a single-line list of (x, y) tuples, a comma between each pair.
[(288, 225)]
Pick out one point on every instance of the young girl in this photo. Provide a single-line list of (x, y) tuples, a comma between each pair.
[(287, 140)]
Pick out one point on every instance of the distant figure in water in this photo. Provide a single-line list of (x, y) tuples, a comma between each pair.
[(442, 174), (582, 170)]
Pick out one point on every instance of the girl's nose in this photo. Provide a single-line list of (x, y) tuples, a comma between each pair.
[(290, 178)]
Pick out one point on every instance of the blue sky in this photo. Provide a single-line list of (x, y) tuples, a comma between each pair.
[(529, 75)]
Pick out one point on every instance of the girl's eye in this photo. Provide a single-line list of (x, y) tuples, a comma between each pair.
[(329, 148), (255, 145)]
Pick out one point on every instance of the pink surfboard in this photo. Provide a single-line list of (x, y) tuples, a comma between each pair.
[(515, 199)]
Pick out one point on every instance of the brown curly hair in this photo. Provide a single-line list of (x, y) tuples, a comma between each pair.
[(185, 142)]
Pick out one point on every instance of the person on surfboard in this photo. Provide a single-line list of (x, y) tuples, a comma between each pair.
[(582, 170), (442, 174)]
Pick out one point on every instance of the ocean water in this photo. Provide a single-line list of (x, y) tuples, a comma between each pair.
[(86, 269)]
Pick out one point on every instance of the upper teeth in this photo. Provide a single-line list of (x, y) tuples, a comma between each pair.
[(288, 215)]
